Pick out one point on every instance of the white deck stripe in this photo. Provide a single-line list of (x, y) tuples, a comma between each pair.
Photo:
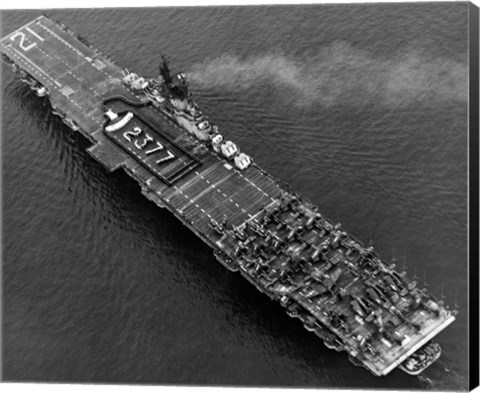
[(35, 34)]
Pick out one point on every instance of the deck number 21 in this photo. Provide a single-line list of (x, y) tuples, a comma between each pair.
[(22, 36)]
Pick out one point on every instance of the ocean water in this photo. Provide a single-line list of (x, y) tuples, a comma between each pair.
[(361, 108)]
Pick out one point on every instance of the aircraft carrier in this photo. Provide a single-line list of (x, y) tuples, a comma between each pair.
[(257, 226)]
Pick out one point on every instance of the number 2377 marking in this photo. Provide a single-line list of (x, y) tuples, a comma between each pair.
[(141, 144)]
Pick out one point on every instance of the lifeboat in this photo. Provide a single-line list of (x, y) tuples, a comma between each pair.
[(242, 161), (41, 91), (202, 130), (229, 149), (130, 78), (140, 84), (217, 141), (134, 81)]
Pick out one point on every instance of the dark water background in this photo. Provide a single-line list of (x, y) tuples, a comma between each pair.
[(362, 108)]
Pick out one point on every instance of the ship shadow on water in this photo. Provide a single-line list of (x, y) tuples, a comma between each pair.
[(252, 316)]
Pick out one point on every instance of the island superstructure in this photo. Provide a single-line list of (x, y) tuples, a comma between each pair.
[(257, 226)]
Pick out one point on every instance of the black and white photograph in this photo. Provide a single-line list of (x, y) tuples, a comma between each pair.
[(240, 195)]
